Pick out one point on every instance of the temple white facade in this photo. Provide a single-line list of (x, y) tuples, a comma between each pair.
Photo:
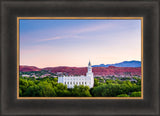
[(87, 80)]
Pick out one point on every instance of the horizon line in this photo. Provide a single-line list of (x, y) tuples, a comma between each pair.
[(76, 66)]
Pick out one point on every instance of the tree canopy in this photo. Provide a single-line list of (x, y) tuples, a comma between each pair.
[(49, 87)]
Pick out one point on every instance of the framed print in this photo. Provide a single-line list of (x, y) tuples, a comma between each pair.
[(80, 58), (60, 78)]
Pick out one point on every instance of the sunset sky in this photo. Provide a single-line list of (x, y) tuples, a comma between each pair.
[(50, 43)]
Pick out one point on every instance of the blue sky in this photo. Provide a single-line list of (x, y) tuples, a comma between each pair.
[(49, 43)]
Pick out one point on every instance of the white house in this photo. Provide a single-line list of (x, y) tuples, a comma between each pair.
[(25, 75), (87, 80), (34, 76)]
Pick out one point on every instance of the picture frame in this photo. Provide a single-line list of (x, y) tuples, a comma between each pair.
[(149, 105), (78, 18)]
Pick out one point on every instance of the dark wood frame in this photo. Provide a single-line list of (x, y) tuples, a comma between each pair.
[(11, 9)]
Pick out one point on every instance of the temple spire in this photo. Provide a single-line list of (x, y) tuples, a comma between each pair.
[(89, 64)]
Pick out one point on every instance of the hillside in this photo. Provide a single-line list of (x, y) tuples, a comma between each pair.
[(28, 68), (99, 71)]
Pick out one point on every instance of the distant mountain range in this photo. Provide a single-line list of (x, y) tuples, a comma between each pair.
[(132, 63), (126, 68)]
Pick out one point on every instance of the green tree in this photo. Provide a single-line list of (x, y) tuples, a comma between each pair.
[(81, 91), (20, 93), (96, 83), (122, 95), (135, 94), (49, 87)]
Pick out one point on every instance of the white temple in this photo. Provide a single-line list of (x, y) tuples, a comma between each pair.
[(87, 80)]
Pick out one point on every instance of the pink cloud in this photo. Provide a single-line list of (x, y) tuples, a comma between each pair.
[(74, 33)]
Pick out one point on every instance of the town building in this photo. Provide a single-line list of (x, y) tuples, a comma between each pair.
[(25, 75), (71, 81)]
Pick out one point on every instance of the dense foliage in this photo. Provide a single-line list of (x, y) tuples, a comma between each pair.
[(49, 87)]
